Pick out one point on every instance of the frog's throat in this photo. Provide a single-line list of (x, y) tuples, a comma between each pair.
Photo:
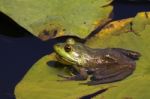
[(65, 60)]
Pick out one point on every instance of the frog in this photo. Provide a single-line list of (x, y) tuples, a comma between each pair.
[(101, 65)]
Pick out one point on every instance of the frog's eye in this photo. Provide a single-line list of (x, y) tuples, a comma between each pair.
[(67, 48)]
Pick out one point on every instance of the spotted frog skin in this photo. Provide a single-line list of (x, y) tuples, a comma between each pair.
[(104, 65)]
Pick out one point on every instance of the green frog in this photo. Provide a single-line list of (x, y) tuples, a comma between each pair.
[(103, 65)]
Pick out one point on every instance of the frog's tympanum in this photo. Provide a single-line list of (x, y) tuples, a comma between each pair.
[(104, 65)]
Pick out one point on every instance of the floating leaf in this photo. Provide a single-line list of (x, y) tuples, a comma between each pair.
[(52, 18)]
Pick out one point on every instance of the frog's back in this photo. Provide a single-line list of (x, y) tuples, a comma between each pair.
[(107, 56), (115, 51)]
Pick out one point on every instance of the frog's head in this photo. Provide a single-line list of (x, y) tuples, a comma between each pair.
[(71, 52)]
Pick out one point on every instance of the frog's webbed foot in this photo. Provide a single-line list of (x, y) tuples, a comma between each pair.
[(82, 75), (76, 77)]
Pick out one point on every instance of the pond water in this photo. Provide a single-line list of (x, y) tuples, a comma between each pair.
[(17, 55)]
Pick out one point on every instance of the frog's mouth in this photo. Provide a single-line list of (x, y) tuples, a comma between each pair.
[(64, 60)]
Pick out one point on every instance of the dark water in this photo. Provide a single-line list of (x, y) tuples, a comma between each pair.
[(126, 9), (17, 55), (18, 52)]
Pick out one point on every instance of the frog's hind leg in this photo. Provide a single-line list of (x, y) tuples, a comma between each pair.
[(132, 54), (100, 79)]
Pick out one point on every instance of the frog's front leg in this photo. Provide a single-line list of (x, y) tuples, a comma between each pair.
[(82, 75), (108, 76)]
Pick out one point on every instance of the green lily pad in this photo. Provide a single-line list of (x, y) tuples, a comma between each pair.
[(41, 82), (53, 18)]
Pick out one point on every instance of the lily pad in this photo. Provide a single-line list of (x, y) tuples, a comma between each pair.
[(41, 82), (53, 18)]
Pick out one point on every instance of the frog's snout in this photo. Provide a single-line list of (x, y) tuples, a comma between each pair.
[(55, 46)]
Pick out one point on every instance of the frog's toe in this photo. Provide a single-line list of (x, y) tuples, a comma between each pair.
[(76, 77), (62, 76), (66, 78), (90, 83)]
